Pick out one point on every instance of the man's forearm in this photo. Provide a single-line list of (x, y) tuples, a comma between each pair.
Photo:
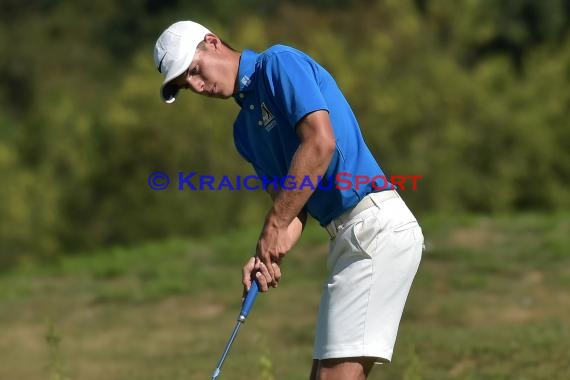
[(311, 160), (295, 229)]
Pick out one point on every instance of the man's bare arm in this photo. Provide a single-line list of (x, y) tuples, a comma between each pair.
[(297, 226), (311, 160)]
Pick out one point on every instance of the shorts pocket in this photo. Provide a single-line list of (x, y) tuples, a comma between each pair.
[(365, 236), (405, 226), (408, 233)]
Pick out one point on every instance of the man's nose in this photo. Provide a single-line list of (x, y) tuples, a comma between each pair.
[(196, 84)]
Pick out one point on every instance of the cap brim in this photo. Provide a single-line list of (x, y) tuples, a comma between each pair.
[(169, 92)]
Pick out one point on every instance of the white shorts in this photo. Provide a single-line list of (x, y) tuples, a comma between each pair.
[(372, 262)]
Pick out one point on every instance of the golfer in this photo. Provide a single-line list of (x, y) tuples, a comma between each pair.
[(295, 123)]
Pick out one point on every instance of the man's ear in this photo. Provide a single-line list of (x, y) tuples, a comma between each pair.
[(213, 41)]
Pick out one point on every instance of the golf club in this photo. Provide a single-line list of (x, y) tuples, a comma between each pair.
[(246, 307)]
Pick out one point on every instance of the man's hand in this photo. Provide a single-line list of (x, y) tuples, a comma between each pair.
[(256, 269), (274, 242), (253, 270)]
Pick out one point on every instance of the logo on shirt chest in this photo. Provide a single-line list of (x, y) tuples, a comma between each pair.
[(267, 118)]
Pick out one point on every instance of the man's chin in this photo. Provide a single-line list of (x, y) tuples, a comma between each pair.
[(221, 96), (216, 95)]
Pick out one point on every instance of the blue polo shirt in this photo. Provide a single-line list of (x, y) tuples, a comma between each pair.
[(277, 88)]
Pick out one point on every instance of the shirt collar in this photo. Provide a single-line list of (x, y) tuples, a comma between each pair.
[(245, 72)]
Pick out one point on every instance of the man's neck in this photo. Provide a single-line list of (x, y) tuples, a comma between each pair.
[(236, 58)]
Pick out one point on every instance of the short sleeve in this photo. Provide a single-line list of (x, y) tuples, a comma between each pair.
[(292, 79)]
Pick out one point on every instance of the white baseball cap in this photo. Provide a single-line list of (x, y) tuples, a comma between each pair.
[(174, 51)]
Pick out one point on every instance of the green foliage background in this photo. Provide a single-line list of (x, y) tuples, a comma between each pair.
[(472, 95)]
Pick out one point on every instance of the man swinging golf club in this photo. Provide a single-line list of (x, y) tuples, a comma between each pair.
[(295, 123)]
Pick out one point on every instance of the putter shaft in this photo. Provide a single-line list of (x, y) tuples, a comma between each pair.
[(227, 349), (246, 307)]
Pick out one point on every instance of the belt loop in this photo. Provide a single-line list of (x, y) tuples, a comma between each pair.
[(372, 198)]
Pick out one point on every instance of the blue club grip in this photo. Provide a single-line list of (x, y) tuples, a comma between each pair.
[(249, 300)]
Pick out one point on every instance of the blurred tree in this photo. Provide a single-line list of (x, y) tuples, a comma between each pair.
[(472, 95)]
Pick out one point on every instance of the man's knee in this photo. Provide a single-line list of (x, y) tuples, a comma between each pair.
[(344, 369)]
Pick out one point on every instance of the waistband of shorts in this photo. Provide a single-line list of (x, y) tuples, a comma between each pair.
[(365, 203)]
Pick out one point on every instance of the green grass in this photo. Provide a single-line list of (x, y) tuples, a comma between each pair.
[(490, 301)]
